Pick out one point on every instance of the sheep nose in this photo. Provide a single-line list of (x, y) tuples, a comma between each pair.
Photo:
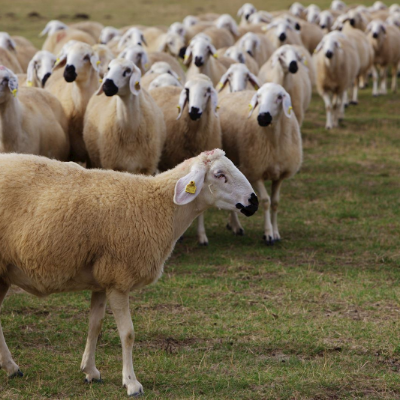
[(247, 17), (264, 119), (70, 73), (375, 35), (293, 67), (44, 79), (352, 22), (329, 54), (249, 210), (198, 61), (194, 113), (323, 26), (297, 27), (282, 37), (182, 52), (250, 53), (109, 88)]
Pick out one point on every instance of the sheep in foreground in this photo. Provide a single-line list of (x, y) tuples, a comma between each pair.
[(237, 78), (200, 59), (337, 65), (32, 120), (266, 146), (124, 129), (385, 40), (194, 131), (286, 68), (73, 87), (104, 231)]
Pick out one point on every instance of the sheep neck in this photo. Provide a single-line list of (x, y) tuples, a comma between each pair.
[(128, 112), (83, 89), (10, 125)]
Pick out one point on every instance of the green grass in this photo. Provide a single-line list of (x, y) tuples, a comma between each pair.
[(314, 317)]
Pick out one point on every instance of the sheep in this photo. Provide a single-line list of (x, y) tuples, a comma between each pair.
[(257, 46), (312, 13), (244, 12), (264, 147), (123, 129), (280, 32), (74, 87), (169, 42), (104, 231), (337, 65), (10, 61), (355, 19), (338, 5), (310, 34), (32, 120), (52, 27), (260, 17), (239, 56), (56, 41), (40, 69), (193, 131), (105, 56), (131, 37), (93, 28), (164, 80), (385, 40), (286, 68), (202, 52), (225, 21), (108, 33), (298, 10), (155, 71), (239, 78), (326, 20)]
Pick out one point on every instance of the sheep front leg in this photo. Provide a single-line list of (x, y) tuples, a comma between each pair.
[(6, 360), (355, 92), (375, 78), (383, 80), (119, 303), (394, 78), (328, 107), (275, 192), (266, 201), (201, 231), (234, 224), (97, 313)]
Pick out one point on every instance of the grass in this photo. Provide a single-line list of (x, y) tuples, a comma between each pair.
[(314, 317)]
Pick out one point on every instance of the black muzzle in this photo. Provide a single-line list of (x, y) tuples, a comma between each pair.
[(198, 61), (109, 88), (70, 73), (282, 37), (329, 54), (44, 80), (182, 52), (297, 27), (352, 22), (195, 113), (264, 119), (375, 35), (250, 209), (293, 67)]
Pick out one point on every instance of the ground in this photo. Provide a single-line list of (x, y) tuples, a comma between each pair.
[(313, 317)]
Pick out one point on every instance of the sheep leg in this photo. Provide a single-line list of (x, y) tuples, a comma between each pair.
[(97, 313), (375, 78), (335, 111), (234, 224), (340, 107), (383, 80), (266, 201), (201, 231), (394, 78), (119, 303), (275, 192), (355, 91), (6, 360), (328, 107)]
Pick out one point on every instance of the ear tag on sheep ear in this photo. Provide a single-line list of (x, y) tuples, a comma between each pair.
[(185, 57), (179, 108), (220, 85), (190, 187), (290, 110), (137, 85), (146, 66), (14, 92), (250, 107), (57, 61), (215, 55), (29, 83), (305, 62), (217, 108), (98, 62), (100, 80)]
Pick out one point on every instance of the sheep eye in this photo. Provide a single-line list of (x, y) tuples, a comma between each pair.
[(86, 58), (128, 71), (220, 175), (280, 97), (108, 68), (171, 43)]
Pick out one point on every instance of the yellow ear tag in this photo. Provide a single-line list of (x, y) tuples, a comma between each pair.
[(146, 66), (290, 110), (14, 92), (137, 85), (250, 107), (98, 62), (217, 108), (101, 80), (305, 62), (191, 187), (220, 85), (57, 61), (215, 55), (29, 83), (185, 57), (256, 87)]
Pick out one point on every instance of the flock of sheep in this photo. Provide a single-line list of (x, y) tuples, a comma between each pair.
[(158, 103)]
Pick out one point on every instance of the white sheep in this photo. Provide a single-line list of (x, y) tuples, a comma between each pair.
[(163, 80), (105, 56), (280, 31), (72, 229), (131, 37), (312, 13), (32, 120), (52, 27), (260, 17), (226, 21), (194, 131), (326, 20), (40, 69), (244, 12), (338, 5), (169, 42), (257, 46), (124, 129), (298, 10), (237, 78), (74, 86), (108, 33), (156, 70), (238, 55), (286, 68), (265, 145)]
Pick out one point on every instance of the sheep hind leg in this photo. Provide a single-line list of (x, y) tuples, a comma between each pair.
[(335, 110), (394, 78), (275, 194), (383, 80), (201, 231), (97, 313), (375, 78), (354, 100), (6, 360), (266, 201), (119, 303), (234, 224), (328, 107)]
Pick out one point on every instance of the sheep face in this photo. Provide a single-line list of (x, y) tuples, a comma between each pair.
[(330, 44), (164, 80), (105, 56), (214, 180), (137, 55), (225, 21), (288, 58), (338, 5), (325, 20), (8, 84), (172, 43), (238, 75), (197, 93), (52, 27), (40, 68), (250, 43), (131, 37), (178, 28), (313, 14), (122, 78), (297, 10), (246, 10), (376, 29), (235, 54), (260, 17), (271, 99), (200, 51), (162, 67), (190, 20), (108, 33), (281, 27), (6, 42)]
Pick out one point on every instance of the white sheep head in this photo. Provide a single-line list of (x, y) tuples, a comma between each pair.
[(297, 9), (178, 28), (190, 20), (131, 37), (280, 27), (162, 67), (260, 17), (172, 43), (338, 5), (108, 33), (330, 44), (8, 84), (376, 30), (163, 80), (52, 27), (235, 53), (250, 43), (200, 50), (122, 79), (288, 58), (245, 11), (225, 21), (326, 20), (6, 42), (105, 55), (312, 12), (238, 76), (138, 55), (40, 68), (200, 96), (271, 99)]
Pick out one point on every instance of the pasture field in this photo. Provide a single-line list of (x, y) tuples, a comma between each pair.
[(317, 316)]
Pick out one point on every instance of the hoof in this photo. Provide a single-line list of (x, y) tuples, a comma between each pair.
[(268, 241), (354, 103), (94, 381), (240, 232), (181, 239), (204, 244), (346, 105), (17, 374), (228, 227)]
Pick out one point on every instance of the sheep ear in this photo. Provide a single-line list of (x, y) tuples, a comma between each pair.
[(383, 29), (94, 60), (100, 90), (369, 27), (189, 187), (223, 81), (143, 39), (174, 74), (214, 100), (287, 105), (134, 82), (254, 81), (241, 58), (30, 72), (122, 54), (12, 44), (240, 12), (60, 61), (212, 50), (188, 56), (253, 104), (233, 28), (13, 83), (45, 30), (319, 47), (183, 99)]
